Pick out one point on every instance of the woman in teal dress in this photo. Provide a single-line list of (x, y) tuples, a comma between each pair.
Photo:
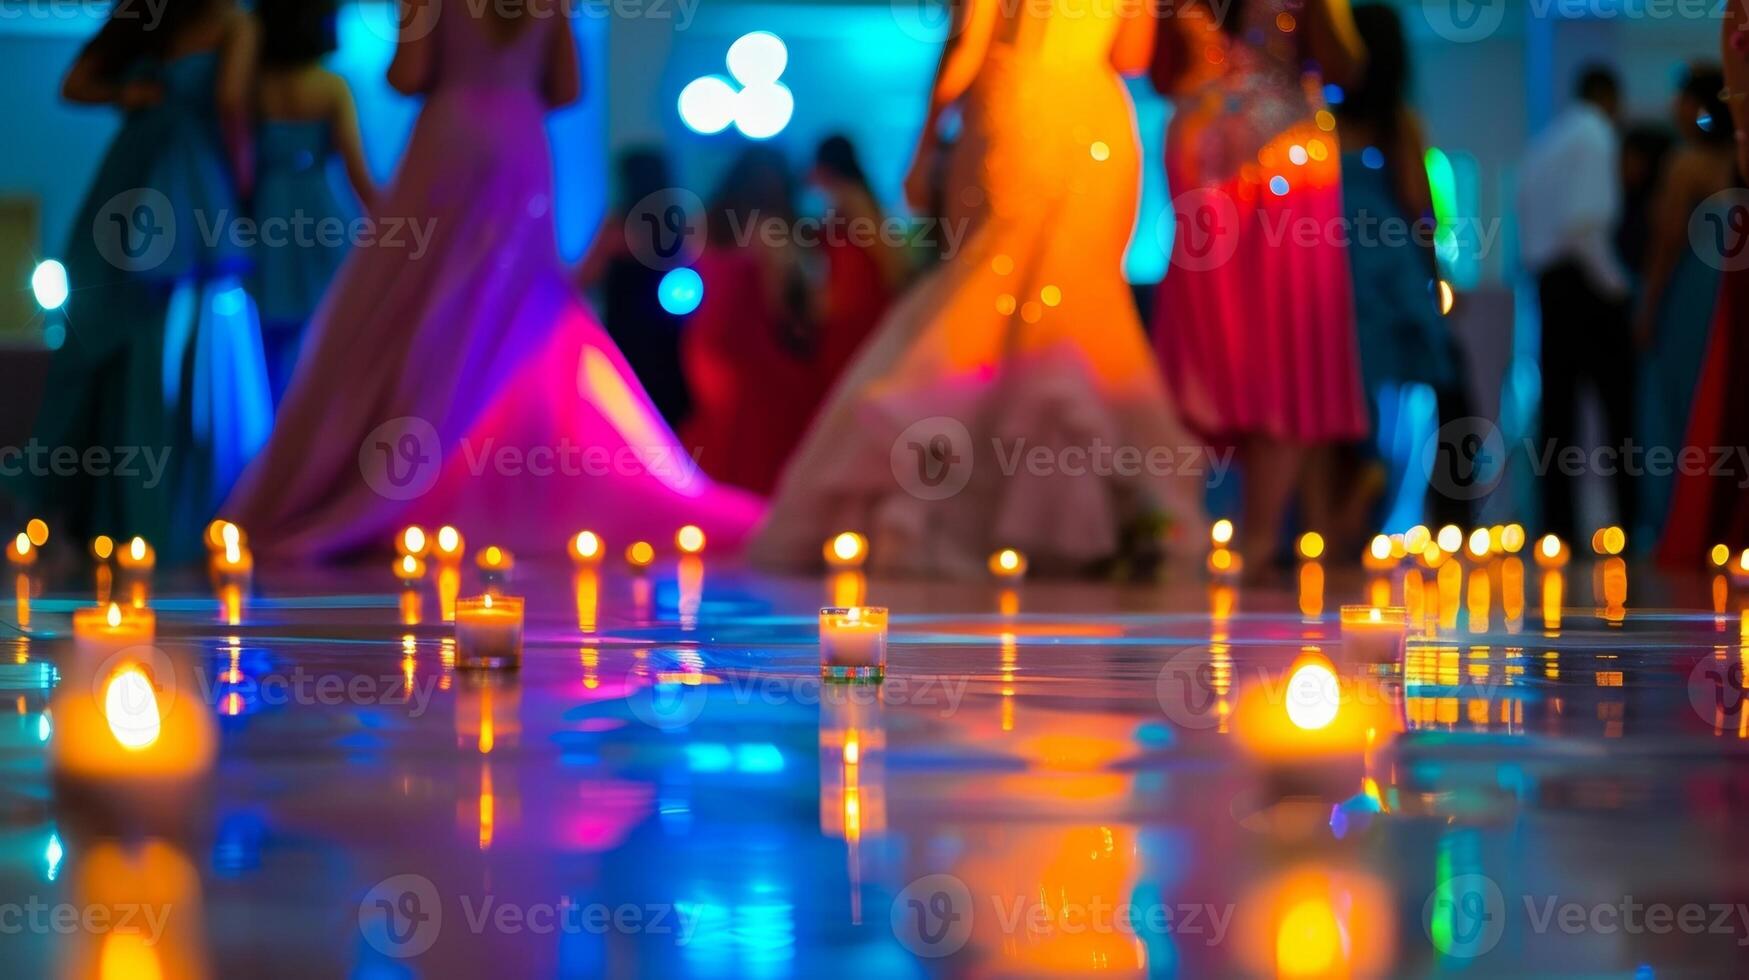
[(1403, 339), (307, 121), (1680, 286), (159, 389)]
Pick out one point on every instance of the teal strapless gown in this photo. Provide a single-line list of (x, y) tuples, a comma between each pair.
[(295, 196), (1669, 375), (159, 390)]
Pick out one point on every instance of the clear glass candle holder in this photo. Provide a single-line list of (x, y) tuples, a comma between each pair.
[(853, 644)]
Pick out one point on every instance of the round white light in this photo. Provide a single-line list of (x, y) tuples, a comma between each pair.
[(49, 282), (708, 105), (758, 58), (1313, 697), (762, 111)]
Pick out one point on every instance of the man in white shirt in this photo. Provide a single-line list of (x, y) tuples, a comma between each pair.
[(1569, 202)]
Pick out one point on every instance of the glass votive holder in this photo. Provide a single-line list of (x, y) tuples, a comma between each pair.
[(1374, 634), (488, 632), (853, 644)]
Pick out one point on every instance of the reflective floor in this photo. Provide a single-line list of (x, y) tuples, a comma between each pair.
[(1162, 780)]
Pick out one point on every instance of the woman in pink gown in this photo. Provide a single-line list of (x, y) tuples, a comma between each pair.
[(1256, 328), (451, 375)]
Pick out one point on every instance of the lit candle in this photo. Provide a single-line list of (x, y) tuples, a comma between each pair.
[(689, 539), (1450, 539), (853, 643), (1221, 534), (409, 569), (1374, 634), (1609, 541), (1718, 557), (493, 560), (1378, 555), (114, 625), (412, 541), (1512, 538), (21, 553), (449, 546), (232, 559), (639, 555), (847, 549), (1008, 564), (1740, 570), (138, 556), (220, 532), (102, 547), (1481, 544), (1550, 552), (586, 548), (37, 530), (488, 631), (1311, 546), (1416, 539)]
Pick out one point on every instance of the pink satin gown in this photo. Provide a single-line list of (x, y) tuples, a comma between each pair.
[(460, 380)]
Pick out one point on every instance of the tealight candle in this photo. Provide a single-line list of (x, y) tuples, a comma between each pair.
[(1008, 564), (232, 559), (847, 549), (1551, 552), (412, 541), (586, 548), (1379, 557), (1374, 634), (853, 643), (1481, 544), (449, 546), (494, 560), (689, 539), (639, 555), (114, 625), (138, 556), (488, 631), (409, 569), (21, 552)]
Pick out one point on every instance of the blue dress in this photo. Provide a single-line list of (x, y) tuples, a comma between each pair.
[(296, 199), (159, 388), (1401, 337)]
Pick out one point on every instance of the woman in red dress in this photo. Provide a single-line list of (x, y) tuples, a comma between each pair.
[(1709, 508)]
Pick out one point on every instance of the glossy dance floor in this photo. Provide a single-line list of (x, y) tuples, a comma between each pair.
[(1169, 780)]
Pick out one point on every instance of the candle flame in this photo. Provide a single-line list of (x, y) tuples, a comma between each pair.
[(137, 548), (587, 544), (130, 705), (1222, 533), (1375, 615), (1550, 546), (413, 539), (488, 600), (102, 546), (847, 546), (449, 540), (113, 616), (1381, 546), (21, 544), (494, 555), (689, 539)]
